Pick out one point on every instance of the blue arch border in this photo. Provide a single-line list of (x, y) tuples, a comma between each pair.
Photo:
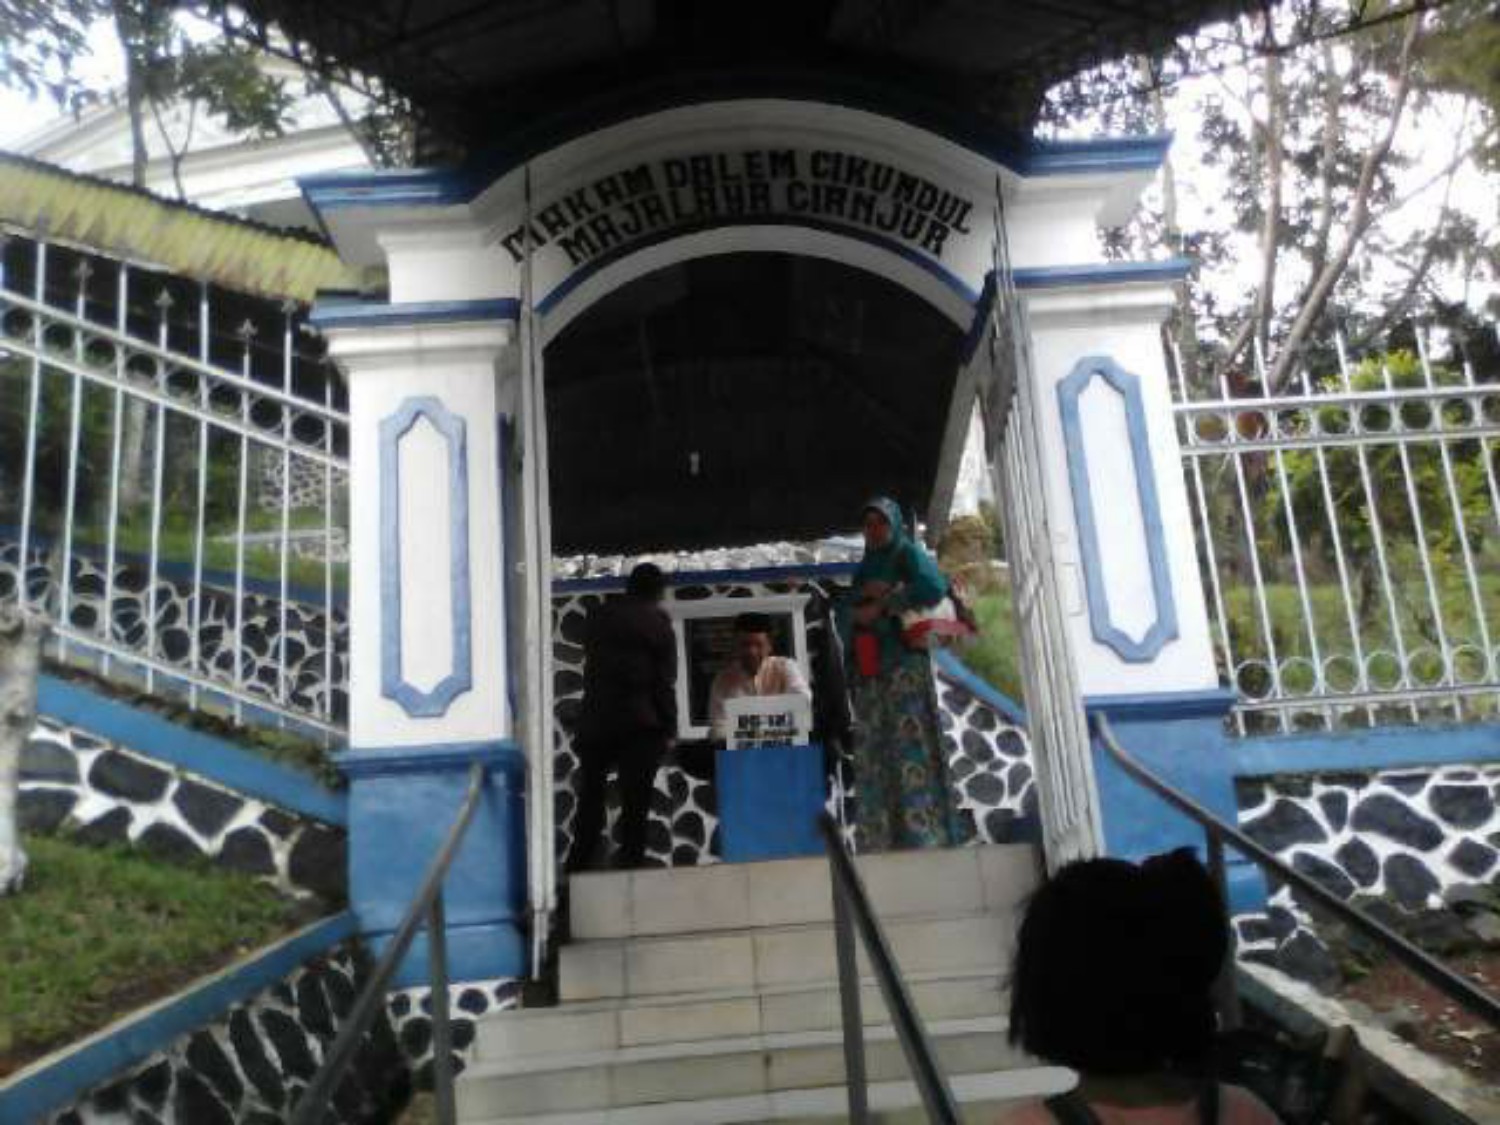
[(1128, 387), (583, 114), (460, 677)]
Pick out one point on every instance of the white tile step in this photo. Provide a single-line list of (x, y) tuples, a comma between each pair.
[(689, 1017), (732, 896), (770, 956), (981, 1099), (717, 1068)]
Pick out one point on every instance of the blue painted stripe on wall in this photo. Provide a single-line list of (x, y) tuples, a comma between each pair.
[(54, 1083), (589, 112), (358, 314), (982, 310), (1203, 703), (1100, 273), (377, 761), (1366, 750), (712, 577), (955, 669), (1095, 156), (154, 737), (594, 265)]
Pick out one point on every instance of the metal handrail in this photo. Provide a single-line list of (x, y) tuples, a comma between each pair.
[(426, 907), (1452, 984), (852, 914)]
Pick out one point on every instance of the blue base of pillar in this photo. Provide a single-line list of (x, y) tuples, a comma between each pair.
[(482, 952), (1181, 738), (402, 802)]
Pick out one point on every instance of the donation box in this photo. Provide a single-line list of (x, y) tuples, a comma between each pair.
[(770, 780)]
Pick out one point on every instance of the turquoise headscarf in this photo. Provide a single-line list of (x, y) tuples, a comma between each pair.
[(902, 561)]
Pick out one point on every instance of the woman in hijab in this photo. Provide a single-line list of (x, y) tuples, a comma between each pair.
[(901, 787)]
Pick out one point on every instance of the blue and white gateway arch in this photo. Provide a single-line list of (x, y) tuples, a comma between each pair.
[(453, 405)]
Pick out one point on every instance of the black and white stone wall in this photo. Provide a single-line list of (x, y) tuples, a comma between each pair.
[(988, 752), (73, 782), (1407, 835), (1408, 839), (250, 1066), (410, 1014), (310, 631), (309, 482), (989, 765)]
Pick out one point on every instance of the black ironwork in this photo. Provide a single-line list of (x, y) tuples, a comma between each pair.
[(852, 914), (1450, 983)]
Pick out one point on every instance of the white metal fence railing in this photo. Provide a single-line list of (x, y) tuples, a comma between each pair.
[(1349, 534), (173, 482)]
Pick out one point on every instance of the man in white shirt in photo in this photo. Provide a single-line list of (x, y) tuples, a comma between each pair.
[(753, 670)]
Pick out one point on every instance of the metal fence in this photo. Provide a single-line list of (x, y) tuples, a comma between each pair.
[(173, 481), (1349, 535)]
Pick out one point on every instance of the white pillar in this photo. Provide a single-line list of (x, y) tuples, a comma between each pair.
[(428, 662), (427, 611), (1123, 526), (1124, 544)]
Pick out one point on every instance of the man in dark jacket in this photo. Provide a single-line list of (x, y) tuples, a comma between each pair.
[(629, 715)]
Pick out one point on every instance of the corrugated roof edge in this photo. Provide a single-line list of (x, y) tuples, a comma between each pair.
[(130, 222)]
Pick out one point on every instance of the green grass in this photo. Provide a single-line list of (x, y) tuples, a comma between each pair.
[(1330, 615), (993, 654), (176, 545), (100, 932)]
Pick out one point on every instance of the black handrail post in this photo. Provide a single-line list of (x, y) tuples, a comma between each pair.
[(311, 1107), (442, 1033), (1453, 984), (1228, 993), (937, 1098), (854, 1025)]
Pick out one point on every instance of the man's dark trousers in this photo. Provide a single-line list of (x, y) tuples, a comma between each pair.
[(637, 756)]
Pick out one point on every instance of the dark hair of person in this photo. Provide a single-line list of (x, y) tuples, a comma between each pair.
[(646, 581), (1115, 965), (752, 623)]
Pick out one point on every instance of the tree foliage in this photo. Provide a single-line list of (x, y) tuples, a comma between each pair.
[(1388, 496), (42, 43), (1320, 144)]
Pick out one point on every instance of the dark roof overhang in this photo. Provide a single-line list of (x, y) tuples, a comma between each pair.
[(471, 70)]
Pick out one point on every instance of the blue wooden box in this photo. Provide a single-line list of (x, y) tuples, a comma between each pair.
[(769, 801)]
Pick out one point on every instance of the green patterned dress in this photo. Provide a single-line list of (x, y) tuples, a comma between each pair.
[(902, 796)]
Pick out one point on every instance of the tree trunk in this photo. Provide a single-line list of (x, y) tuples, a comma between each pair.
[(21, 636), (1321, 287)]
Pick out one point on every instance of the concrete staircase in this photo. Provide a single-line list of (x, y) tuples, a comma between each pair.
[(709, 994)]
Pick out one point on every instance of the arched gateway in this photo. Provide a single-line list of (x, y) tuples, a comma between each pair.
[(451, 531)]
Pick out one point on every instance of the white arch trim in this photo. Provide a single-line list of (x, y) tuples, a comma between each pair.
[(943, 295)]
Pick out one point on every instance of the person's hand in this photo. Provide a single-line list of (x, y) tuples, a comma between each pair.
[(866, 613)]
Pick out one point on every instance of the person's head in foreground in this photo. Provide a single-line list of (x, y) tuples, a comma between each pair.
[(752, 641), (1113, 977), (646, 582)]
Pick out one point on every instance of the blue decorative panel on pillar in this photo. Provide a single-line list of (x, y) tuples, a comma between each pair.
[(393, 682), (1163, 627)]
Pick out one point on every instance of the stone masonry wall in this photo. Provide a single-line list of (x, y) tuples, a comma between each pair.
[(1410, 836), (250, 1066), (988, 752), (99, 792), (309, 629)]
